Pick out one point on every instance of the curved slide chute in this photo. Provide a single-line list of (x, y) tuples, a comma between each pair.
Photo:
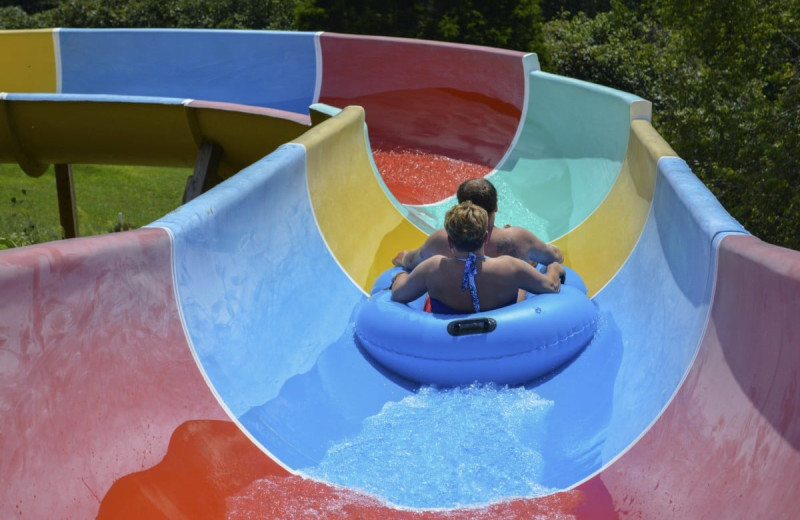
[(205, 366), (43, 129)]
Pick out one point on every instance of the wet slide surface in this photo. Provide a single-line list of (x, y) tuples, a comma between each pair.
[(205, 366)]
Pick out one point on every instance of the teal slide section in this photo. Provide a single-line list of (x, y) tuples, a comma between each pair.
[(560, 167)]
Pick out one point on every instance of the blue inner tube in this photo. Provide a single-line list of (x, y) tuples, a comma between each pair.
[(512, 345)]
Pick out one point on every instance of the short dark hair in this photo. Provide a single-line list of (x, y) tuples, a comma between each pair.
[(480, 191), (466, 224)]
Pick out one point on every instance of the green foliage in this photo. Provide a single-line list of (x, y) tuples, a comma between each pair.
[(381, 17), (29, 6), (552, 9), (357, 17), (501, 23), (210, 14), (609, 49), (15, 17), (724, 79)]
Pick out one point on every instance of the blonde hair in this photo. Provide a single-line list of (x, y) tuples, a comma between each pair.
[(466, 225)]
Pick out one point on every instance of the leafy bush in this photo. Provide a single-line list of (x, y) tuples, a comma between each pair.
[(15, 17), (211, 14), (508, 24), (725, 84)]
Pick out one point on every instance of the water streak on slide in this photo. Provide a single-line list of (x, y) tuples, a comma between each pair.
[(205, 367)]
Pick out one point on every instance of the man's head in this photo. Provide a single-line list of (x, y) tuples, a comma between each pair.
[(480, 192), (467, 226)]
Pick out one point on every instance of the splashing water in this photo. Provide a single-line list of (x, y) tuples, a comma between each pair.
[(446, 448)]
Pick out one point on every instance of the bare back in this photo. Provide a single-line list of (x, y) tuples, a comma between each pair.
[(498, 281), (495, 284), (512, 241)]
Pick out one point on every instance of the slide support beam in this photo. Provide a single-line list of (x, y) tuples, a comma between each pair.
[(67, 209), (205, 174)]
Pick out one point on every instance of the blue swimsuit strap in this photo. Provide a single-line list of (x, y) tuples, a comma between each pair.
[(470, 271)]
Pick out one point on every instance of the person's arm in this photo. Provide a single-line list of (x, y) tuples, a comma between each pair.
[(529, 247), (533, 281), (408, 287), (435, 244)]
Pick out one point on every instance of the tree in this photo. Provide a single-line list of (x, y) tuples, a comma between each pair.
[(16, 18), (749, 53), (212, 14), (506, 24), (29, 6), (552, 9), (725, 84), (378, 17), (500, 23)]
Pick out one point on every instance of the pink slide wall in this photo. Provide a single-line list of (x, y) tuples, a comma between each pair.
[(88, 405), (744, 385), (406, 85)]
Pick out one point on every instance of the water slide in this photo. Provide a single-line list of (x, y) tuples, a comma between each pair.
[(205, 366)]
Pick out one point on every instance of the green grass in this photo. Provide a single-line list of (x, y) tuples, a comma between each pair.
[(29, 206)]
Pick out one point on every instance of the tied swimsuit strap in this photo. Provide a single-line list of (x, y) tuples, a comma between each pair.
[(470, 271)]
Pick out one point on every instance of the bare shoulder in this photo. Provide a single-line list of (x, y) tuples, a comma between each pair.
[(520, 234), (434, 259), (523, 244), (506, 264), (430, 263), (504, 242), (436, 244), (512, 241)]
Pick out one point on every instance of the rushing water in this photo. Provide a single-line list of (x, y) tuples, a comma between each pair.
[(479, 444), (444, 448)]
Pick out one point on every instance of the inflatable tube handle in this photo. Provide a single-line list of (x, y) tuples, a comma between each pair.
[(471, 326)]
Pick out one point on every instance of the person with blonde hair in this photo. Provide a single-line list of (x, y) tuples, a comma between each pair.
[(507, 240), (468, 281)]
